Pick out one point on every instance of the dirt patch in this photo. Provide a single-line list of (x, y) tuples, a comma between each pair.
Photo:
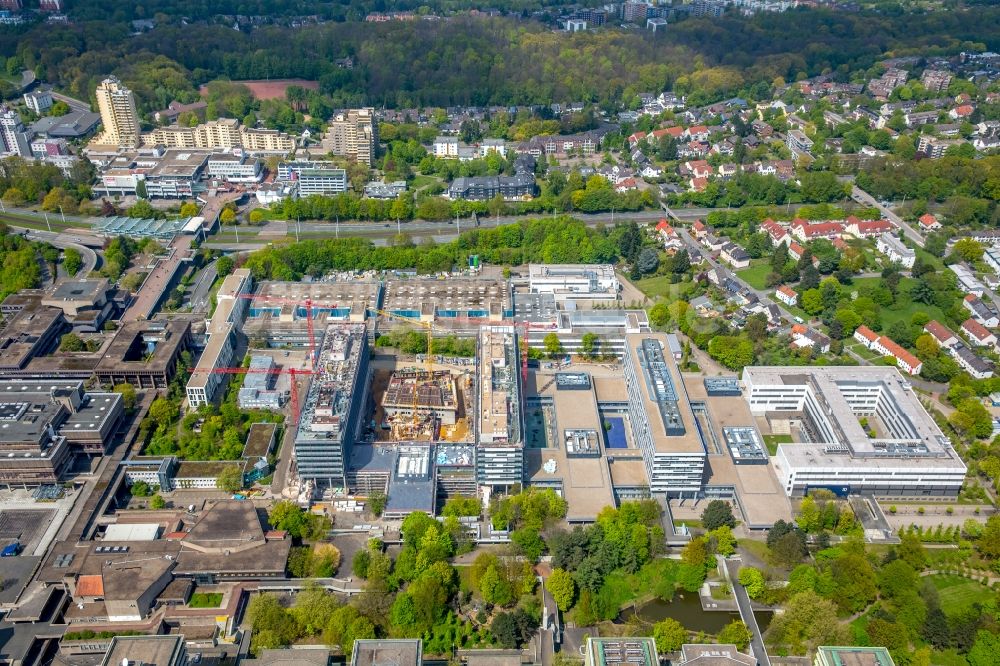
[(272, 89)]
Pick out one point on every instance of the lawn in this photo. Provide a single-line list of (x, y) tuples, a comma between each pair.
[(421, 181), (904, 308), (661, 287), (958, 593), (205, 600), (772, 442), (756, 275)]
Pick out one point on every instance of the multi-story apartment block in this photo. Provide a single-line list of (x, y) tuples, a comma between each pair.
[(116, 104), (12, 134), (500, 419), (354, 134), (39, 101), (221, 134), (935, 80)]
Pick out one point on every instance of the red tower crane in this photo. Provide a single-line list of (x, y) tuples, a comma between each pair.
[(308, 304)]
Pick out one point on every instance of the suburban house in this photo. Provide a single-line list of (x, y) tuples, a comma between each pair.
[(735, 255), (975, 365), (803, 336), (777, 232), (786, 295), (698, 169), (895, 250), (945, 338), (807, 231), (699, 229), (904, 359), (885, 346), (865, 336), (981, 312), (868, 228), (929, 223), (978, 334)]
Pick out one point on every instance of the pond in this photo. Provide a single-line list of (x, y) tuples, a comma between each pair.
[(686, 609)]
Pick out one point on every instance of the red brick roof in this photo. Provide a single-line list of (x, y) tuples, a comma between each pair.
[(787, 291), (975, 329), (928, 220), (938, 330), (898, 352), (866, 333)]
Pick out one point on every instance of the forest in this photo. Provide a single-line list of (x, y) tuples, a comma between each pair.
[(476, 60), (563, 240)]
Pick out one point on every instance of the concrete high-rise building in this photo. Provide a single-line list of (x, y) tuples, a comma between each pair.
[(12, 134), (354, 134), (116, 104)]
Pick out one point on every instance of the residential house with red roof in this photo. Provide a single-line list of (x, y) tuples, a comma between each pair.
[(978, 334), (803, 336), (865, 336), (945, 338), (807, 231), (777, 232), (929, 222), (867, 228), (786, 295), (698, 133), (906, 361), (698, 168), (699, 229)]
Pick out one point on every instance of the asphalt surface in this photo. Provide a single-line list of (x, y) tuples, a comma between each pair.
[(202, 287), (746, 613), (88, 255)]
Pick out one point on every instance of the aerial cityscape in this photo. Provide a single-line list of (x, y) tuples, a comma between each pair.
[(563, 333)]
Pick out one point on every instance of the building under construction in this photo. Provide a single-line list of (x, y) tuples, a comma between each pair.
[(417, 400), (278, 315)]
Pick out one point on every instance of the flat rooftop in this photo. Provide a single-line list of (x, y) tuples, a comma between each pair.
[(130, 347), (449, 298), (663, 394), (146, 650), (842, 394), (639, 651), (260, 439), (285, 301), (83, 290), (386, 652)]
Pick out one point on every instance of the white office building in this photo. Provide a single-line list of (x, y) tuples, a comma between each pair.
[(901, 452), (568, 282), (662, 421)]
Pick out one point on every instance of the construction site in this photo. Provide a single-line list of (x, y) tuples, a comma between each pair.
[(418, 405)]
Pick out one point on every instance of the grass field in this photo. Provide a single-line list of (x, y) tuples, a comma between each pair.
[(756, 275), (903, 309), (958, 593), (422, 181), (661, 287), (205, 600), (772, 441)]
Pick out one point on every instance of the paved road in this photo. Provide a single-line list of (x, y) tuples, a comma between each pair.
[(72, 102), (746, 613), (202, 286), (863, 197), (88, 255)]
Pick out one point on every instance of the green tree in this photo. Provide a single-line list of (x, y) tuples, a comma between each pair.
[(669, 635), (224, 265), (189, 209), (71, 342), (725, 542), (376, 502), (716, 514), (72, 262), (753, 580), (589, 344), (157, 502), (812, 301), (163, 412), (553, 346), (230, 479), (809, 518), (562, 587), (127, 392), (735, 633), (227, 216)]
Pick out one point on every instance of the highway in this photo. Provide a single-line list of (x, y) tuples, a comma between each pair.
[(866, 199)]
